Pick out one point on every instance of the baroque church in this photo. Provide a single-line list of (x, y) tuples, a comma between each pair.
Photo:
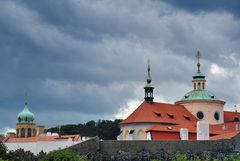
[(164, 121)]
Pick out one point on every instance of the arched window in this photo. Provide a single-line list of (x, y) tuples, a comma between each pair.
[(17, 132), (29, 132), (34, 132), (22, 132), (199, 86)]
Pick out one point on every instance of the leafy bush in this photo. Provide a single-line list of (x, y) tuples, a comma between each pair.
[(63, 155)]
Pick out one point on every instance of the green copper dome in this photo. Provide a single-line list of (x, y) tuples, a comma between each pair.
[(25, 116), (199, 95)]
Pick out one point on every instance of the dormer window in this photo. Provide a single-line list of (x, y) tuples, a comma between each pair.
[(224, 127), (158, 114), (237, 127), (170, 115), (186, 117)]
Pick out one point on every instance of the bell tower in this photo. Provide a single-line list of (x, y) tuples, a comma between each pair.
[(149, 87), (25, 126)]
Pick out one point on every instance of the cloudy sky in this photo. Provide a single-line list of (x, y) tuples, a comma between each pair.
[(80, 60)]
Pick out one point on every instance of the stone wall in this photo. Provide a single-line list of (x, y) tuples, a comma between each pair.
[(108, 148), (87, 147)]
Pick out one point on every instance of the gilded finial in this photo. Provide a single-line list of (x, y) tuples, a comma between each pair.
[(198, 58)]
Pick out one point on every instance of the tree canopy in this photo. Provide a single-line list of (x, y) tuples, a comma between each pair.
[(104, 129)]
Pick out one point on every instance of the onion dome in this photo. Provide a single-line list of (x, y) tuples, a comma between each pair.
[(25, 116)]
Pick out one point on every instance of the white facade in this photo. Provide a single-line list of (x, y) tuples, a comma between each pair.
[(46, 146), (139, 132)]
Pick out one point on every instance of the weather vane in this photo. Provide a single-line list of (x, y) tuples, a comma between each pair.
[(198, 58)]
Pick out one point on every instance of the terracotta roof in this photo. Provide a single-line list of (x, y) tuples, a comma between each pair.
[(42, 138), (1, 139), (160, 113), (225, 136), (176, 128), (229, 116), (229, 126)]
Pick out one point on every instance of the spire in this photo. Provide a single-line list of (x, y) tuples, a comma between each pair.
[(149, 78), (198, 78), (149, 87), (198, 58), (26, 99)]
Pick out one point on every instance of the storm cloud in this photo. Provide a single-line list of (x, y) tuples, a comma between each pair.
[(80, 60)]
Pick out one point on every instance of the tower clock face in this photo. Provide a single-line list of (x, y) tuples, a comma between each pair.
[(200, 115)]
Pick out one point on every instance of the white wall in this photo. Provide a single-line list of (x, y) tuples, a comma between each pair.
[(137, 127), (46, 146), (208, 110)]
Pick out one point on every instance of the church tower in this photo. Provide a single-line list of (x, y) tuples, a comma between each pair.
[(200, 102), (149, 87), (25, 126)]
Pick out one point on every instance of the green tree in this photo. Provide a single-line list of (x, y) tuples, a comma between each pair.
[(3, 151), (63, 155), (104, 129), (20, 155)]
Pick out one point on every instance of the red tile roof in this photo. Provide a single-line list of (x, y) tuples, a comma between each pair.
[(176, 128), (230, 116), (1, 139), (229, 126), (228, 135), (160, 113), (42, 138)]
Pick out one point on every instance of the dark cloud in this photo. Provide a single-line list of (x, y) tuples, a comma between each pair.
[(207, 6), (80, 60)]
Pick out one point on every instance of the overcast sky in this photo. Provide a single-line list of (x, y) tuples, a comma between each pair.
[(80, 60)]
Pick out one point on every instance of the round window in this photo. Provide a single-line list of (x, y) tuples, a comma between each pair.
[(216, 116), (200, 115)]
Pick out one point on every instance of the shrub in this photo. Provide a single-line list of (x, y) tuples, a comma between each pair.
[(63, 155)]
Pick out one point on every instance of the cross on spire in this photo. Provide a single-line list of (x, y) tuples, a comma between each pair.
[(148, 69), (198, 58), (26, 99)]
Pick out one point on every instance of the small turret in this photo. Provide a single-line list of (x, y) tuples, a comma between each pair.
[(149, 87)]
